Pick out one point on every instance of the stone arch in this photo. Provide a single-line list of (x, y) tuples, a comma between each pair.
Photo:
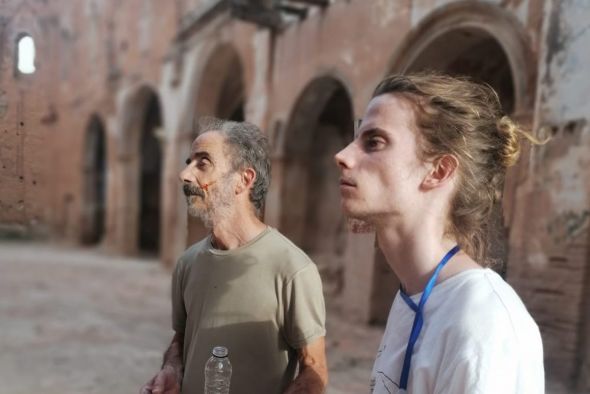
[(94, 170), (321, 124), (490, 45), (141, 159), (221, 93), (449, 33)]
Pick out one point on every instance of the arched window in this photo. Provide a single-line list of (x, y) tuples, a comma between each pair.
[(25, 63)]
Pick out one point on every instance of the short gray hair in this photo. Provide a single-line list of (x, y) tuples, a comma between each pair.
[(249, 148)]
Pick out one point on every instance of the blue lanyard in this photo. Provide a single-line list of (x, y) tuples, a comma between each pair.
[(419, 318)]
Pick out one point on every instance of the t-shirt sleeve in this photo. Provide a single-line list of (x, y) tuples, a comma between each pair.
[(493, 367), (304, 308), (479, 374), (178, 307), (493, 350)]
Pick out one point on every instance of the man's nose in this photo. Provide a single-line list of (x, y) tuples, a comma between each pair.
[(186, 175), (343, 158)]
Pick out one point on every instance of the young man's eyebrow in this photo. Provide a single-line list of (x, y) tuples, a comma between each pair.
[(371, 131)]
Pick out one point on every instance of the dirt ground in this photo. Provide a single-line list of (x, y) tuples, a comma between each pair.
[(79, 321)]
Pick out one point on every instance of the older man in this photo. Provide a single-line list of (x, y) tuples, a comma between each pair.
[(245, 286)]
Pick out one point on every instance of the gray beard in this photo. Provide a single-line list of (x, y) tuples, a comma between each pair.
[(216, 208), (200, 213)]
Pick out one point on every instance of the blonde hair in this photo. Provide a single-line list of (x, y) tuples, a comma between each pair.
[(457, 116)]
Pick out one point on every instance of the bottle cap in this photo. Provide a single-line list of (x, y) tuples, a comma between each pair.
[(219, 351)]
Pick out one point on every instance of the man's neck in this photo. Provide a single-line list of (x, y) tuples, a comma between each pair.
[(414, 258), (235, 230)]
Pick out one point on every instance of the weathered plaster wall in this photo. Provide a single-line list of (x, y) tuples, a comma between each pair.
[(550, 259)]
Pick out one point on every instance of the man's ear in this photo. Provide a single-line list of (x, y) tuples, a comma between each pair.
[(442, 171), (247, 178)]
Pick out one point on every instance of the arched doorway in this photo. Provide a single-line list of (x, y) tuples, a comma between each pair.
[(150, 177), (94, 183), (320, 125), (221, 90), (222, 95), (479, 40), (487, 44), (474, 53)]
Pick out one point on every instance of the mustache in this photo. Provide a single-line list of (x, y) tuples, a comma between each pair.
[(190, 189)]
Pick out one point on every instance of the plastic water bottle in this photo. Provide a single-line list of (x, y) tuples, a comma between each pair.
[(218, 372)]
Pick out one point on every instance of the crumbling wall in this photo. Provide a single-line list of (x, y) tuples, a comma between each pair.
[(26, 116), (550, 241)]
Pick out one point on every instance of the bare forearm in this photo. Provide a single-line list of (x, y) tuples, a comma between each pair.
[(309, 381), (173, 356)]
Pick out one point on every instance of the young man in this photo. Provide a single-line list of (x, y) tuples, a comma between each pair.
[(425, 169), (245, 287)]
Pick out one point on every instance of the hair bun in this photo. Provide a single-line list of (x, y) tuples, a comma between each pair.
[(510, 134)]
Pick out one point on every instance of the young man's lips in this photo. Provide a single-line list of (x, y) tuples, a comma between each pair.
[(347, 182)]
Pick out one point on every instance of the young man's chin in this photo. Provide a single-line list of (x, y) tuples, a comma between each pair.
[(359, 226), (349, 210), (356, 222)]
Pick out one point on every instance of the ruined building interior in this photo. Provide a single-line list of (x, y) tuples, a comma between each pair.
[(95, 129)]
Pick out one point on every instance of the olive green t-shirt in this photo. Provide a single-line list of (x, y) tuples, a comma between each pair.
[(262, 301)]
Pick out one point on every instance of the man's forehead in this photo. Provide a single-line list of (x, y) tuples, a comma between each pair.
[(385, 111), (372, 119), (209, 140)]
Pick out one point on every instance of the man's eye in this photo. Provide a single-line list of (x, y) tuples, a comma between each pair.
[(374, 143), (188, 161), (202, 163)]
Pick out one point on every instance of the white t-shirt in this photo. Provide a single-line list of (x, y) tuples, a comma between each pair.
[(477, 337)]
